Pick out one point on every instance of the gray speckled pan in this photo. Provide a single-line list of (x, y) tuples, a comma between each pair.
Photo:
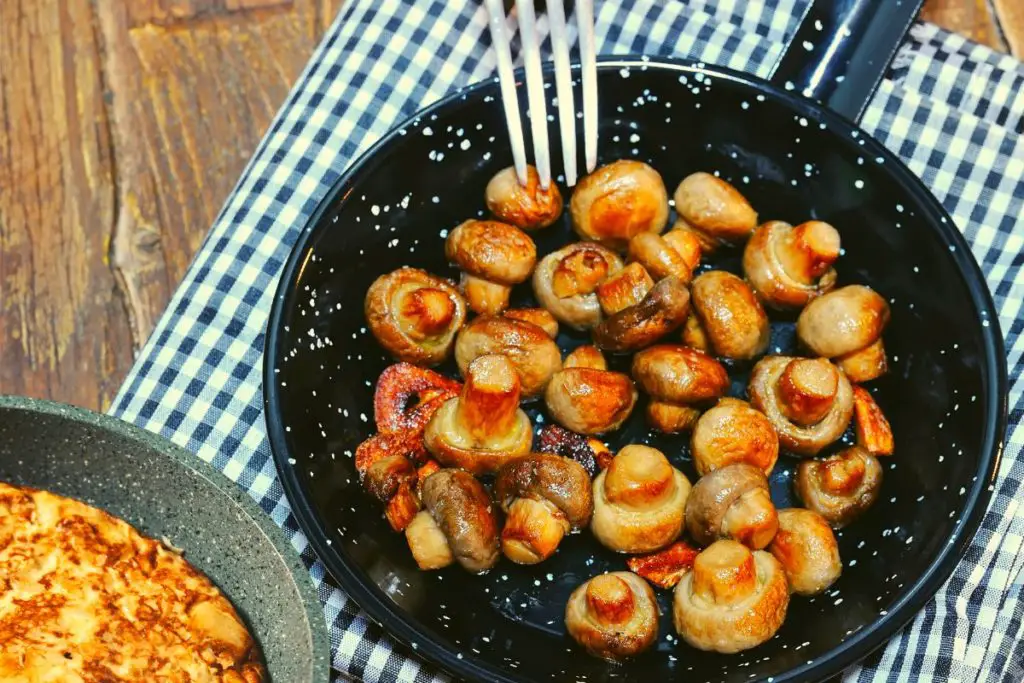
[(166, 492)]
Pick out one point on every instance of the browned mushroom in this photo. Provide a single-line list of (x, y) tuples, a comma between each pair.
[(538, 316), (677, 252), (493, 256), (589, 452), (459, 523), (614, 616), (544, 498), (788, 266), (414, 315), (533, 353), (874, 434), (729, 316), (626, 288), (840, 487), (638, 501), (663, 310), (679, 380), (713, 210), (808, 401), (565, 282), (733, 432), (529, 207), (807, 550), (483, 427), (586, 397), (617, 202), (732, 502), (846, 325), (733, 599)]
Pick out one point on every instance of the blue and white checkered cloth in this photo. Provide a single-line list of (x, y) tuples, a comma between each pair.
[(953, 110)]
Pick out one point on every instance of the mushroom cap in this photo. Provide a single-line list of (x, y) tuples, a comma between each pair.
[(679, 374), (414, 315), (540, 317), (730, 314), (663, 310), (529, 207), (767, 273), (467, 516), (840, 487), (542, 476), (593, 263), (492, 250), (807, 550), (733, 432), (732, 600), (618, 201), (660, 258), (732, 502), (533, 353), (590, 401), (843, 321), (613, 616), (714, 207)]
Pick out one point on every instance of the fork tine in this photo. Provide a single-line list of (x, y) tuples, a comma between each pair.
[(507, 80), (588, 59), (563, 82), (535, 90)]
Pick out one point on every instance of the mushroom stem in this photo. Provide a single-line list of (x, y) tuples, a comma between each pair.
[(533, 530), (626, 288), (686, 244), (638, 476), (610, 599), (694, 334), (588, 356), (808, 251), (425, 312), (578, 273), (864, 365), (807, 389), (671, 418), (485, 297), (841, 476), (490, 398), (724, 573), (427, 542), (752, 520)]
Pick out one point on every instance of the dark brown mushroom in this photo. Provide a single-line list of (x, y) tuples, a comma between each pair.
[(663, 310), (679, 381), (733, 432), (807, 550), (840, 487), (565, 282), (619, 201), (493, 256), (529, 207), (729, 314), (589, 399), (533, 353), (714, 210), (846, 325), (788, 266), (732, 502), (614, 616)]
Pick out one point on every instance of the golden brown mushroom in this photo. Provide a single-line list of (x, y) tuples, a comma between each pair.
[(483, 427), (846, 325), (679, 380), (533, 353), (459, 523), (626, 288), (677, 252), (565, 282), (808, 401), (544, 497), (732, 600), (614, 616), (414, 315), (788, 266), (727, 315), (732, 502), (638, 501), (586, 397), (807, 550), (840, 487), (619, 201), (493, 256), (538, 316), (663, 310), (713, 210), (529, 207), (874, 434), (733, 432)]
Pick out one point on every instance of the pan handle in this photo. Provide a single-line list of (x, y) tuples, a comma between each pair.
[(841, 50)]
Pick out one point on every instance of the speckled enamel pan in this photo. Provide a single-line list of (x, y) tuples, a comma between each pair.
[(795, 160), (169, 493)]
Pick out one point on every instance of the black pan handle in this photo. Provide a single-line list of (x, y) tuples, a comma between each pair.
[(841, 50)]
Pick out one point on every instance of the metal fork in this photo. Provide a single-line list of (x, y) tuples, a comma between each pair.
[(535, 86)]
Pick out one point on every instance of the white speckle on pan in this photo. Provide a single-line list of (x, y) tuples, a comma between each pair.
[(634, 138), (464, 145), (818, 26), (436, 200), (789, 85), (375, 210), (487, 156), (802, 121), (427, 130), (859, 184), (760, 98), (744, 105), (615, 138), (624, 72), (808, 45)]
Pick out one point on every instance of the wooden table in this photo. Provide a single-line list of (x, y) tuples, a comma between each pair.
[(123, 127)]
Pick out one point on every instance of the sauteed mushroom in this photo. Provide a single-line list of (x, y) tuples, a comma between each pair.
[(530, 207), (715, 211), (586, 397), (846, 325), (614, 616), (538, 316), (808, 401), (626, 288), (544, 497), (678, 380), (414, 315), (617, 202), (566, 280), (458, 523), (677, 252), (493, 256), (840, 487), (483, 427), (733, 502), (663, 310), (533, 353), (638, 501), (589, 452), (732, 600), (728, 316), (788, 266), (807, 550), (733, 432)]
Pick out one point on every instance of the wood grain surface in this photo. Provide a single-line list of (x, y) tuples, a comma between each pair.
[(124, 126)]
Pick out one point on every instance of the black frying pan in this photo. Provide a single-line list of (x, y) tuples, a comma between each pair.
[(790, 146)]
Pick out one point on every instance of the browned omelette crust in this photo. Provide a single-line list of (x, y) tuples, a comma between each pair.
[(85, 598)]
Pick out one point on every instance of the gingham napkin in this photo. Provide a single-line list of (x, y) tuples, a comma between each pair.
[(954, 111)]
